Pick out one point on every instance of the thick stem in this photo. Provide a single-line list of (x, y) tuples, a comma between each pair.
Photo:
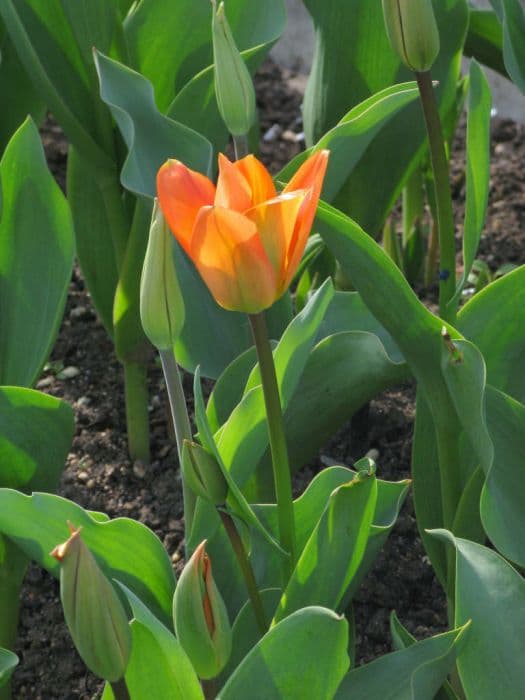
[(181, 422), (246, 569), (137, 418), (447, 245), (120, 690), (279, 450), (240, 146)]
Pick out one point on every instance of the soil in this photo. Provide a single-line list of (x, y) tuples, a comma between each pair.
[(100, 476)]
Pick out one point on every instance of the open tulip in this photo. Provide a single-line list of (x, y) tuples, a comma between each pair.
[(245, 239)]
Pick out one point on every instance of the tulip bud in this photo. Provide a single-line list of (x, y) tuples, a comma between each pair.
[(412, 30), (200, 617), (94, 614), (202, 473), (233, 84), (161, 303)]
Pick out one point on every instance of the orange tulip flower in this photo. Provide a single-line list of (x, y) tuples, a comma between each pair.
[(245, 239)]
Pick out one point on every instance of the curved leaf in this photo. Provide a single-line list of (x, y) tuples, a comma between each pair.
[(8, 663)]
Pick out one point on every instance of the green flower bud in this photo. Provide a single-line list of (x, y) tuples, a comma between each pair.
[(202, 473), (412, 30), (94, 614), (233, 84), (200, 617), (161, 303)]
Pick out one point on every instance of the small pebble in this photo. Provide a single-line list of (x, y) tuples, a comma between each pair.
[(83, 401), (46, 381), (83, 476), (78, 312), (68, 373), (139, 469), (289, 135), (373, 454), (91, 483), (273, 133)]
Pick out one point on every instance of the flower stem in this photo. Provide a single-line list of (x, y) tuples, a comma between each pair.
[(246, 568), (445, 215), (240, 146), (137, 418), (181, 421), (279, 450), (120, 690)]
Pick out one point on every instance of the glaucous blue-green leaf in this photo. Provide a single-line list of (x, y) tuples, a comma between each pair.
[(36, 258), (334, 551), (484, 40), (150, 136), (478, 170), (491, 593), (244, 437), (494, 319), (36, 431), (47, 48), (8, 663), (511, 14), (349, 139), (353, 60), (414, 673), (125, 549), (304, 657)]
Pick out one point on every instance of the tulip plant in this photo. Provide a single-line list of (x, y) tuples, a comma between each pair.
[(264, 605)]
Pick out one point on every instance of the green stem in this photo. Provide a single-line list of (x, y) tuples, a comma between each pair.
[(137, 418), (240, 146), (412, 204), (12, 572), (181, 422), (120, 690), (279, 450), (438, 156), (246, 569)]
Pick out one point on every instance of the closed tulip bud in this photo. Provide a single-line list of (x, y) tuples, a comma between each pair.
[(412, 30), (233, 84), (200, 617), (161, 303), (94, 614), (203, 474)]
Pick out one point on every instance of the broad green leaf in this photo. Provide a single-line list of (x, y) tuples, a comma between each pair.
[(152, 670), (95, 251), (503, 498), (350, 138), (47, 48), (16, 86), (36, 258), (36, 431), (484, 40), (414, 673), (334, 551), (244, 436), (353, 60), (478, 170), (491, 593), (150, 136), (513, 20), (125, 549), (8, 663), (318, 638), (494, 319)]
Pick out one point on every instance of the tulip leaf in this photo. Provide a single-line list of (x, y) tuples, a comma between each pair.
[(512, 16), (494, 319), (36, 258), (319, 661), (244, 437), (349, 139), (335, 547), (414, 673), (8, 663), (47, 48), (150, 136), (36, 431), (125, 549), (478, 170), (491, 593), (484, 40)]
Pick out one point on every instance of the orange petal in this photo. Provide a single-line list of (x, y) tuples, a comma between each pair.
[(259, 179), (309, 176), (182, 192), (233, 190), (276, 221), (230, 257)]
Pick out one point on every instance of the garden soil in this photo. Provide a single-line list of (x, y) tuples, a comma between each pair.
[(100, 476)]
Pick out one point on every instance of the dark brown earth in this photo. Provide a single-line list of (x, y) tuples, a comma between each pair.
[(100, 476)]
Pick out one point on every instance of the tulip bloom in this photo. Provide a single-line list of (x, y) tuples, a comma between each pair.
[(245, 240)]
